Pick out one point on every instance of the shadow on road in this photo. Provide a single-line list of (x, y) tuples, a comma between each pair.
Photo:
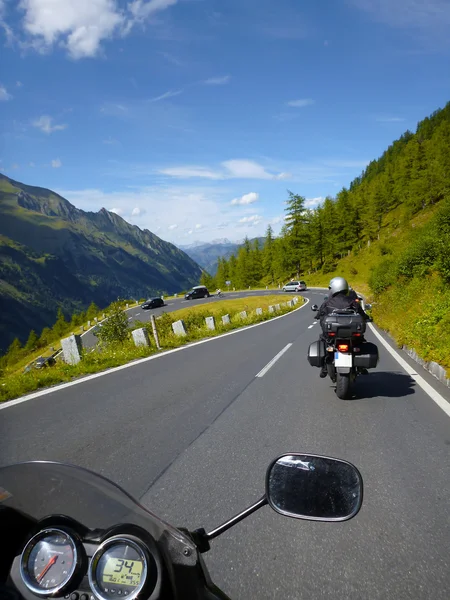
[(386, 384)]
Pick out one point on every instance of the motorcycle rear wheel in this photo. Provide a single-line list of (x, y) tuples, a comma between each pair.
[(342, 386)]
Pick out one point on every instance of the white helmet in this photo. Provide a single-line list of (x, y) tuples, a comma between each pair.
[(338, 284)]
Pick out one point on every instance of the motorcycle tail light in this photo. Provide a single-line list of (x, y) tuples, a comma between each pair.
[(356, 334), (343, 347), (331, 334)]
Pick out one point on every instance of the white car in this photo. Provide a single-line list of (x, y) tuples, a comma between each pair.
[(294, 286)]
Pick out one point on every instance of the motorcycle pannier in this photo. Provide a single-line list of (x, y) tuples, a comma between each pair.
[(343, 325), (367, 357), (316, 353)]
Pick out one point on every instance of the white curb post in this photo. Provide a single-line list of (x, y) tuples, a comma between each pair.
[(140, 337), (277, 307), (226, 320), (210, 323), (71, 349), (259, 311), (243, 314), (179, 328), (271, 309)]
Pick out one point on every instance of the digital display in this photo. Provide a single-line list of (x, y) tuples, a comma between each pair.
[(122, 572)]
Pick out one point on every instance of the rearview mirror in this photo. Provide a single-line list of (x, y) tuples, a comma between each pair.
[(317, 488), (368, 306), (314, 307)]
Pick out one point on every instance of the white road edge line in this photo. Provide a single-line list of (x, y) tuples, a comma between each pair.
[(427, 388), (311, 326), (273, 361), (140, 361)]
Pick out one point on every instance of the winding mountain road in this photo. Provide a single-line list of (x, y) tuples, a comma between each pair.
[(190, 433)]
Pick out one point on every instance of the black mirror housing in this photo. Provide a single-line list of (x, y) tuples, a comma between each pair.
[(315, 488)]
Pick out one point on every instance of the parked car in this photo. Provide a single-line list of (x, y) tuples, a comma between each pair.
[(199, 291), (152, 303), (294, 286), (40, 363)]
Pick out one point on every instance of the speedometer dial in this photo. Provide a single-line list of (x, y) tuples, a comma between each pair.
[(119, 568), (49, 561)]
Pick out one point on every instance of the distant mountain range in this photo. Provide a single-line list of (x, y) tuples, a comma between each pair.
[(53, 254), (207, 254)]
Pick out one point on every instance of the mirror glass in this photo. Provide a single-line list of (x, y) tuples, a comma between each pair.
[(314, 307), (306, 486), (367, 306)]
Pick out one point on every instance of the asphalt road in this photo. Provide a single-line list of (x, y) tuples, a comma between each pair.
[(138, 314), (191, 433)]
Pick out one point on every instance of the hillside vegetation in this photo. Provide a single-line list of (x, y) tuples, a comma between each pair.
[(53, 255), (388, 233)]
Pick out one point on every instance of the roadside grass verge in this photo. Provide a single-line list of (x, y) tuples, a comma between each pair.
[(105, 357)]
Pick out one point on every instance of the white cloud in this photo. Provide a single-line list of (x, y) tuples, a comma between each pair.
[(218, 80), (110, 141), (313, 202), (390, 119), (198, 226), (117, 211), (19, 84), (187, 172), (253, 219), (175, 226), (56, 163), (231, 169), (142, 10), (246, 199), (44, 123), (138, 212), (82, 26), (247, 169), (300, 103), (32, 164), (169, 94), (4, 95)]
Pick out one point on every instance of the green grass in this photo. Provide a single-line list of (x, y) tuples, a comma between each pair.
[(17, 384)]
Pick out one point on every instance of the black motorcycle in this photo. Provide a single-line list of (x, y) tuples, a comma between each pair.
[(69, 533), (343, 349)]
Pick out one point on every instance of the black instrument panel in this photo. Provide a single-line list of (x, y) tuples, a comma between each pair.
[(61, 559)]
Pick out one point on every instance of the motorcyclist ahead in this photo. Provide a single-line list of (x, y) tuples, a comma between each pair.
[(338, 299)]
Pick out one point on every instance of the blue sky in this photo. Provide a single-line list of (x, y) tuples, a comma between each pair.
[(193, 117)]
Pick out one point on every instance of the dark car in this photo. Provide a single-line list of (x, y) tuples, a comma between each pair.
[(40, 363), (152, 303), (199, 291)]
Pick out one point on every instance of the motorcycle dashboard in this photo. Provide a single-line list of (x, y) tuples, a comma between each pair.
[(79, 536), (61, 559)]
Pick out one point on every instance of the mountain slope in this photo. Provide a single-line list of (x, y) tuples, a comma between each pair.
[(53, 254)]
